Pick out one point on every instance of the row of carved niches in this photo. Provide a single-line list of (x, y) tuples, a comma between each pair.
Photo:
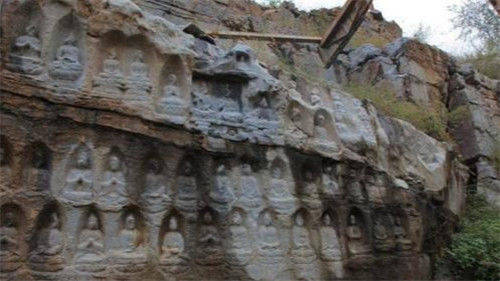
[(55, 48), (84, 239), (107, 176)]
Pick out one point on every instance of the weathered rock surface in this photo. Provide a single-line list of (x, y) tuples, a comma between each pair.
[(131, 150), (427, 76)]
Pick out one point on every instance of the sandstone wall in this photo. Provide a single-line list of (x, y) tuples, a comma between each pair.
[(131, 150)]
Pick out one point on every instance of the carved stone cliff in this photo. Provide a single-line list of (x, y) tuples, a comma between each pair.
[(131, 150)]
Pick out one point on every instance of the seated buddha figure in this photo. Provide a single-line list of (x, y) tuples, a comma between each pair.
[(26, 51), (356, 239), (173, 257), (66, 65)]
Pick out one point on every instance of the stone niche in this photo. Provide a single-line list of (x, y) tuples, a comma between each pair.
[(118, 205)]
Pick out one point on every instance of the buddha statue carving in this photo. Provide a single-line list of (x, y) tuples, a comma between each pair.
[(130, 240), (156, 196), (221, 195), (90, 247), (250, 190), (278, 193), (78, 187), (402, 241), (330, 186), (130, 257), (269, 245), (381, 235), (209, 249), (355, 191), (111, 79), (26, 51), (323, 138), (356, 239), (38, 174), (113, 194), (302, 252), (376, 188), (187, 192), (239, 251), (9, 243), (67, 65), (173, 257), (138, 80), (47, 256), (330, 245), (309, 193), (171, 101)]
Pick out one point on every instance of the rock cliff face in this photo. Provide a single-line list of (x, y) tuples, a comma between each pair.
[(132, 150)]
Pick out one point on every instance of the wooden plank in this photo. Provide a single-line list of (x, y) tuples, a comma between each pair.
[(265, 36), (342, 29)]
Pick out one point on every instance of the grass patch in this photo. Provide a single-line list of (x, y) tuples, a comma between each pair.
[(432, 121), (361, 37), (474, 253), (486, 61)]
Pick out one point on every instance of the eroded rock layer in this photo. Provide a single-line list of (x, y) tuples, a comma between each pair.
[(131, 150)]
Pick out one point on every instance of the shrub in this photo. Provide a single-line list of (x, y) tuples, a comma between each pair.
[(485, 60), (474, 252)]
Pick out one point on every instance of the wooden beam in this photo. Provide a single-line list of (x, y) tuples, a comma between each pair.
[(343, 28), (265, 36)]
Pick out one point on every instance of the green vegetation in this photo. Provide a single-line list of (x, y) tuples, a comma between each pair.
[(362, 37), (474, 253), (480, 25), (432, 121), (486, 60)]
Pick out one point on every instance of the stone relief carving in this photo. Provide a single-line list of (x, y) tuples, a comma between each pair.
[(221, 195), (173, 258), (138, 82), (10, 254), (26, 51), (331, 249), (78, 187), (209, 251), (310, 192), (324, 132), (251, 197), (302, 251), (90, 252), (232, 96), (171, 101), (113, 193), (131, 254), (187, 190), (354, 188), (240, 246), (67, 65), (48, 244), (278, 193), (111, 79), (39, 171), (381, 235), (155, 195), (269, 251), (402, 241), (330, 187), (356, 237)]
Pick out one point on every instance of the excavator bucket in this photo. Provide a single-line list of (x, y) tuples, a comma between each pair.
[(342, 29)]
